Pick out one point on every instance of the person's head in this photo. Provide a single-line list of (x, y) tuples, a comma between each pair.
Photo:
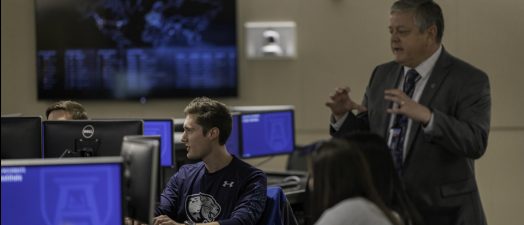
[(385, 179), (207, 125), (416, 28), (380, 162), (339, 172), (66, 110)]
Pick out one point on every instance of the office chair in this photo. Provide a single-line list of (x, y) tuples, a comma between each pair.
[(277, 210)]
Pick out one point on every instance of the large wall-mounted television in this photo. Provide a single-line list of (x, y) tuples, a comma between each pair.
[(118, 49)]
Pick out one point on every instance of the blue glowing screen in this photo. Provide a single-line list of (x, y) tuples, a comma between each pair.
[(233, 144), (164, 128), (121, 49), (62, 194), (267, 133)]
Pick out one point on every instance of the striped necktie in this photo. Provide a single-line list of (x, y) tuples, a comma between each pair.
[(401, 122)]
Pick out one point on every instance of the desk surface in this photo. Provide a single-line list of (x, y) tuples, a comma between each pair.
[(295, 192)]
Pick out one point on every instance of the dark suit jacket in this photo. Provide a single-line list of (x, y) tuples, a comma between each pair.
[(439, 168)]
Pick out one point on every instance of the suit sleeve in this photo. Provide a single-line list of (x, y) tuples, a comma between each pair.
[(359, 122), (465, 131), (251, 203)]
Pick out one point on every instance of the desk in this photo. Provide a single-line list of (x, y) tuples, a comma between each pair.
[(295, 194)]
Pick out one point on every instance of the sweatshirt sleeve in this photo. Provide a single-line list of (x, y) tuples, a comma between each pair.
[(169, 199), (252, 201)]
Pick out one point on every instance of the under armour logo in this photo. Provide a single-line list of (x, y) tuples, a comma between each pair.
[(226, 184)]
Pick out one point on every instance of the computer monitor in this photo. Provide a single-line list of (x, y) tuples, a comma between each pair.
[(62, 191), (266, 133), (75, 138), (141, 160), (164, 128), (156, 141), (21, 137), (233, 142)]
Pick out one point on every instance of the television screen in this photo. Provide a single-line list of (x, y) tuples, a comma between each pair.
[(267, 133), (21, 137), (118, 49), (163, 128), (84, 138), (62, 191)]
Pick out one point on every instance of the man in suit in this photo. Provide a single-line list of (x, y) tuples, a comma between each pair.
[(436, 128)]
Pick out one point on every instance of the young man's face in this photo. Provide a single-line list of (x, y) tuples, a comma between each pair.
[(198, 145), (59, 115), (409, 45)]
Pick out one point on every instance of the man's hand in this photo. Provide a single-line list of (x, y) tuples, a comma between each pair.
[(406, 106), (165, 220), (130, 221), (340, 103)]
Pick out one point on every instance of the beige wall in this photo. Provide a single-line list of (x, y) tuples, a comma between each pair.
[(339, 43)]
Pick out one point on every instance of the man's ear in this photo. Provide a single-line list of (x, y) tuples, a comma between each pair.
[(213, 133), (432, 32)]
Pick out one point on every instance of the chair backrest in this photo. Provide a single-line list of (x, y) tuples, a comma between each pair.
[(277, 211)]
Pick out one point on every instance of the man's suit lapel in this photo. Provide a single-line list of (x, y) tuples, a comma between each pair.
[(439, 73)]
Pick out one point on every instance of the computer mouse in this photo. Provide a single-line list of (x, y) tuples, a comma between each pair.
[(291, 179)]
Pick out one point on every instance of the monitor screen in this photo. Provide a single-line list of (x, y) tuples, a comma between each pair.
[(267, 133), (62, 191), (21, 137), (163, 128), (75, 138), (118, 49), (141, 160), (233, 142)]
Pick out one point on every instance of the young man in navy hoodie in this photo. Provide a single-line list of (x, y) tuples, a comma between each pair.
[(221, 189)]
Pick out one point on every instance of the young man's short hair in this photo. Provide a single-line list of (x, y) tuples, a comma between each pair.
[(211, 113)]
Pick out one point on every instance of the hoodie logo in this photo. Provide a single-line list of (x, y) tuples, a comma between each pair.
[(228, 184)]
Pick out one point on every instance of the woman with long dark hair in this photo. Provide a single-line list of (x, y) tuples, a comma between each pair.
[(342, 188), (385, 178)]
